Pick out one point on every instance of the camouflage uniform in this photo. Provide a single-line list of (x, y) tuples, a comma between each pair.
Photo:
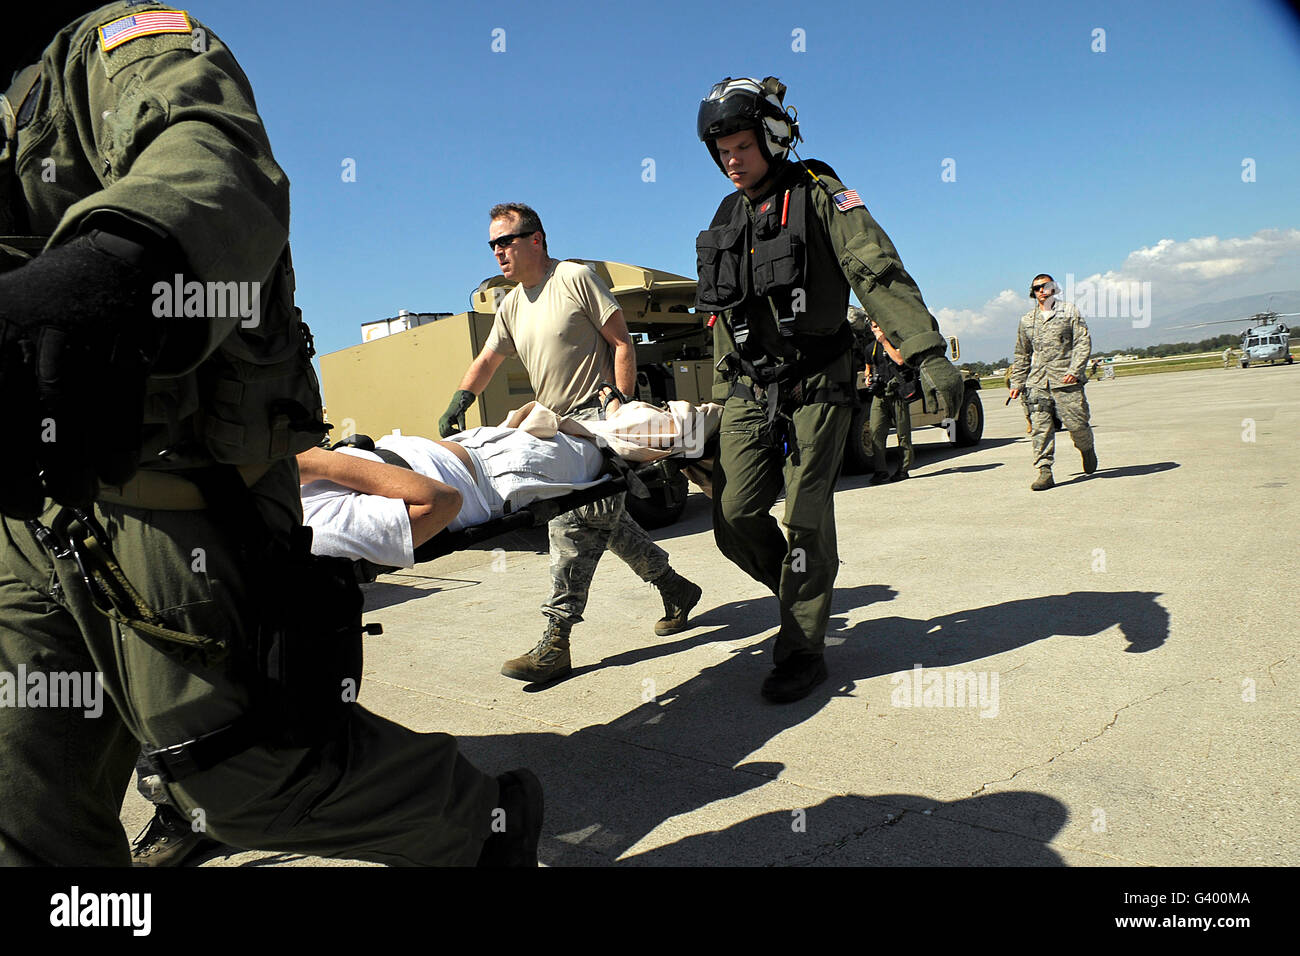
[(578, 539), (1047, 350)]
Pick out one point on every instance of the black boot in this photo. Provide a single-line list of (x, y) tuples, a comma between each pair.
[(515, 837), (169, 840), (795, 678)]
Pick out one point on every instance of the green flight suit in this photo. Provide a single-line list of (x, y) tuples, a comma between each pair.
[(162, 129), (845, 247), (887, 410)]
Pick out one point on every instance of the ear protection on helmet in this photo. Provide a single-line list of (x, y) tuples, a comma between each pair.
[(1055, 288), (744, 103)]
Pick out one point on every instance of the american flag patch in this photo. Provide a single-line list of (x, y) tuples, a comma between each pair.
[(847, 200), (765, 207), (113, 35)]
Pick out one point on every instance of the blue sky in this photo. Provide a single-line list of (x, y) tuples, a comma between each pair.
[(1117, 167)]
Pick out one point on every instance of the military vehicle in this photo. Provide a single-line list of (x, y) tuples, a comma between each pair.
[(402, 376), (1266, 338)]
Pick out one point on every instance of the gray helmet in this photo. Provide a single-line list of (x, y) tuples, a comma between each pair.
[(745, 103)]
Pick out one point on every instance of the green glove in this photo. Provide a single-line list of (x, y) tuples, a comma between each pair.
[(454, 419), (941, 384)]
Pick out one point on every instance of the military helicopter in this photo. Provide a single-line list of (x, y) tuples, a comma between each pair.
[(1266, 338)]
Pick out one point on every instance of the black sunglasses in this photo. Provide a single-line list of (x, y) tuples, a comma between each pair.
[(1040, 288), (504, 241)]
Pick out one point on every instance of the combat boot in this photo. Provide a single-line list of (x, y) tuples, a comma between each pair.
[(680, 596), (794, 679), (169, 840), (546, 662), (1043, 481), (1089, 461)]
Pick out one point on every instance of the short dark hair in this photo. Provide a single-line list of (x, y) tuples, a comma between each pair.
[(529, 221)]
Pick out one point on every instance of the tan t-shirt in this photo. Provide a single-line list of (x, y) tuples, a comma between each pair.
[(554, 328)]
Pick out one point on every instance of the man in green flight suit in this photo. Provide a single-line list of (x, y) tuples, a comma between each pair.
[(158, 379), (775, 267)]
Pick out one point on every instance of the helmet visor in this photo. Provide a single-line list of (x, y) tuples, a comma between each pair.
[(730, 114)]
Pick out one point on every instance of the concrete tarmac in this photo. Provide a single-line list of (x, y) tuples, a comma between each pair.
[(1100, 674)]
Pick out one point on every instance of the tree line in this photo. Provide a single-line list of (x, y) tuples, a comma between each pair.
[(1216, 344)]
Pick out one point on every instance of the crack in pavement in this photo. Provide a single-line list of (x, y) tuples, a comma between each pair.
[(823, 850), (1087, 740), (1274, 664)]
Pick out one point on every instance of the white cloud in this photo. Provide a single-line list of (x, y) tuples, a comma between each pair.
[(996, 315), (1210, 258), (1172, 273)]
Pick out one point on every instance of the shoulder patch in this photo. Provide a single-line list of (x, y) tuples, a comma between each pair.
[(145, 24), (847, 199)]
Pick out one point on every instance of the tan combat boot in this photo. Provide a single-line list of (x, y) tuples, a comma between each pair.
[(680, 596), (546, 662), (1043, 481)]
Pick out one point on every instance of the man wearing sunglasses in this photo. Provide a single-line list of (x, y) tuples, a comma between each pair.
[(1052, 351), (570, 334)]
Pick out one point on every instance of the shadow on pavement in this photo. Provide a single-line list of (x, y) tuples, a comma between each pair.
[(999, 829), (382, 594), (965, 469), (601, 805), (1126, 471)]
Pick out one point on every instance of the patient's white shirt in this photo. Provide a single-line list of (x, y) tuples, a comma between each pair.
[(516, 469), (348, 524)]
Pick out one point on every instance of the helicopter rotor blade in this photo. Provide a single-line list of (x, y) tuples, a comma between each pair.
[(1201, 325), (1260, 318)]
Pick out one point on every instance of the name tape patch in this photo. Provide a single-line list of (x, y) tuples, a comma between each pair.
[(119, 31)]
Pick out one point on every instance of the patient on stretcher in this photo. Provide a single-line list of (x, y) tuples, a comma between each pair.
[(359, 506)]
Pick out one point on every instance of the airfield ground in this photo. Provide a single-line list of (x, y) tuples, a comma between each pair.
[(1133, 633)]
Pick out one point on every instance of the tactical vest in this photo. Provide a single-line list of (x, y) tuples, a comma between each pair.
[(745, 264), (774, 274), (253, 400)]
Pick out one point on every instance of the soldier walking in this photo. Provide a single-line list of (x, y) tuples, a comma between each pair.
[(1052, 349)]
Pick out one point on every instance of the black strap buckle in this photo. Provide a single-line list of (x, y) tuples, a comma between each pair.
[(172, 763), (178, 761)]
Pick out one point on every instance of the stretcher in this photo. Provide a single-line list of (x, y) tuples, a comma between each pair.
[(638, 479)]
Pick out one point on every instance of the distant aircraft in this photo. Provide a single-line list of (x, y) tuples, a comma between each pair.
[(1266, 338)]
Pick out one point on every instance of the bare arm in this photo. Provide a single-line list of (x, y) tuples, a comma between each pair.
[(892, 352), (614, 331), (431, 504), (481, 370)]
